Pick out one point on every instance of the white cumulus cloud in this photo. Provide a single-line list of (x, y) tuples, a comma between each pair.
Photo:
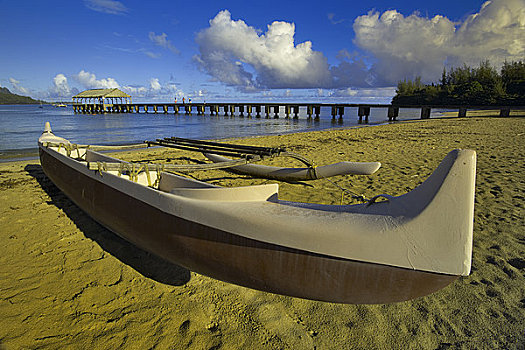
[(231, 50), (60, 86), (154, 84), (90, 81), (162, 41), (135, 90), (395, 47), (409, 46)]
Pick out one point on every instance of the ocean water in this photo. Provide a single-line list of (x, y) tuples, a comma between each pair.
[(21, 125)]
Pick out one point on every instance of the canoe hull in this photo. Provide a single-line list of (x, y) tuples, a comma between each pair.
[(233, 258)]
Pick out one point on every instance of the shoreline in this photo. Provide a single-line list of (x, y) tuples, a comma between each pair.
[(19, 143), (67, 282), (15, 155), (10, 155)]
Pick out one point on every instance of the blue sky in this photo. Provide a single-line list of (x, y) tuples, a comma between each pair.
[(241, 50)]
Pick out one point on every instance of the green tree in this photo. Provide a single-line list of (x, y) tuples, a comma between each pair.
[(513, 77), (482, 85)]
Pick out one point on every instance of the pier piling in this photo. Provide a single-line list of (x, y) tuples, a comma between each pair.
[(363, 111), (425, 112), (334, 112), (296, 112), (393, 113), (267, 111)]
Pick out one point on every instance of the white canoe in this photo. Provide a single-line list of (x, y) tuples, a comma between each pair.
[(300, 174), (389, 251)]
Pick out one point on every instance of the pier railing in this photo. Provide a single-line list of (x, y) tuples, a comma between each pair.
[(275, 110)]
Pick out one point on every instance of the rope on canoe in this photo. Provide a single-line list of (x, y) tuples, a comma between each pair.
[(158, 170), (96, 147), (138, 167), (100, 167), (359, 197), (306, 161), (374, 199), (68, 147), (146, 168)]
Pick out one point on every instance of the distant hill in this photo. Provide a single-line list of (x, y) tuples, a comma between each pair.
[(8, 98)]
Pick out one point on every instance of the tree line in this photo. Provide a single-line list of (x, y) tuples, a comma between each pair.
[(478, 86)]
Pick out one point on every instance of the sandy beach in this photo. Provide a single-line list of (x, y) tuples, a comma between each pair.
[(66, 282)]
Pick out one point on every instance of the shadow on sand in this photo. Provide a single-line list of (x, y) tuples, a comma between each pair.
[(143, 262)]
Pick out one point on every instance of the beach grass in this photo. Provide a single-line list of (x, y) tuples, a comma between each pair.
[(65, 281)]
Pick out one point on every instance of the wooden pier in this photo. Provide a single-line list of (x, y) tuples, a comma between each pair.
[(272, 110)]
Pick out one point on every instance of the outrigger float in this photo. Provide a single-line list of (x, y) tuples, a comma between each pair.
[(379, 252), (215, 151)]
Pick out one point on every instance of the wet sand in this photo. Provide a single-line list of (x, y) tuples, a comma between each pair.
[(65, 281)]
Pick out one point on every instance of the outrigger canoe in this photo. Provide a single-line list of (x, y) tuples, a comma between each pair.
[(379, 252)]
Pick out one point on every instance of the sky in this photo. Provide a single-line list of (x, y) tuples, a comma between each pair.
[(304, 51)]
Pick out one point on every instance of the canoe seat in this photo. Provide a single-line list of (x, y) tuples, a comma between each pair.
[(230, 194), (169, 181), (188, 188), (92, 156)]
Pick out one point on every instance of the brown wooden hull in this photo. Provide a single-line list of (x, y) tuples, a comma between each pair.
[(236, 259)]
